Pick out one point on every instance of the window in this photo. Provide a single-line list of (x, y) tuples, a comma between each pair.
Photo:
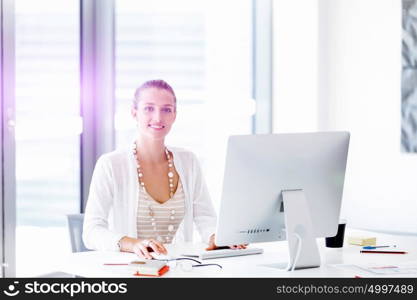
[(203, 49), (47, 130)]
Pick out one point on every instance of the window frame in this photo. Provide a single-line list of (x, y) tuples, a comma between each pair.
[(7, 162), (97, 75), (262, 65)]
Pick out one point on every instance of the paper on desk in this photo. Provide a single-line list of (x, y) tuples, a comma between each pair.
[(403, 269)]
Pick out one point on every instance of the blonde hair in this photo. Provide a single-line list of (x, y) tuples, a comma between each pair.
[(157, 84)]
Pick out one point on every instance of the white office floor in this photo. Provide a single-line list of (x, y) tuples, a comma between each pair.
[(39, 249)]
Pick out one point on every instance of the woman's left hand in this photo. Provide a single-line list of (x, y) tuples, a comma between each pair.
[(213, 246)]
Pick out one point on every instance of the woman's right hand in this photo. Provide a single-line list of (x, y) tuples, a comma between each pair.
[(142, 247)]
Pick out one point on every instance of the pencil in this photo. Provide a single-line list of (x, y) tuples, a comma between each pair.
[(384, 252)]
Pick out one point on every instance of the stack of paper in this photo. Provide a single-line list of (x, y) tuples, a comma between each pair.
[(391, 270), (399, 270)]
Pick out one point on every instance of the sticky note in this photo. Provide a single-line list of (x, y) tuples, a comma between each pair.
[(362, 241)]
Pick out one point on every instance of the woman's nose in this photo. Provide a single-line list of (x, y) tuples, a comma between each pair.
[(157, 115)]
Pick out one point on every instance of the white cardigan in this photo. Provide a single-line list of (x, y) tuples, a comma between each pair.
[(112, 203)]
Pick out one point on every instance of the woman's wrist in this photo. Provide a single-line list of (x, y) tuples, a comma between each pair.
[(126, 244), (211, 243)]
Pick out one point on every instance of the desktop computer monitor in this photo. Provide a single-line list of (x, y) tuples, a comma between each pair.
[(283, 187)]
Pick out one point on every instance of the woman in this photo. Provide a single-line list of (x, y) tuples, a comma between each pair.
[(143, 197)]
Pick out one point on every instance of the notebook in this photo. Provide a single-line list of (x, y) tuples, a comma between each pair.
[(149, 267)]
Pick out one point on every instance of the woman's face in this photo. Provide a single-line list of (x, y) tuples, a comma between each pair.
[(156, 112)]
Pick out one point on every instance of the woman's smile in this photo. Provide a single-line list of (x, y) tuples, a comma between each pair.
[(156, 127)]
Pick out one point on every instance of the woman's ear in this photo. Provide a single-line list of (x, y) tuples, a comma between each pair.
[(134, 112)]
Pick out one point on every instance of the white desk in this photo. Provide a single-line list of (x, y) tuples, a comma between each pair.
[(90, 264)]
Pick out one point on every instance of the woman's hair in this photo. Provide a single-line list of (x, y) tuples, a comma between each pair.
[(156, 84)]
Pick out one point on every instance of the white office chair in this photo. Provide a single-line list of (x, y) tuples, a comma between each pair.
[(75, 227)]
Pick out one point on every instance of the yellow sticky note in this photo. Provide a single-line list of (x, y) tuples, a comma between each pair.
[(362, 241)]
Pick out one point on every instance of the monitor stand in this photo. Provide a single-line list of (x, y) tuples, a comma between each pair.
[(302, 245)]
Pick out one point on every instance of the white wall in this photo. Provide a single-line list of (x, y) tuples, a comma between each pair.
[(359, 73), (295, 65)]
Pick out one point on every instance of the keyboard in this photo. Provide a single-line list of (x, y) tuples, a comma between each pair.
[(219, 253)]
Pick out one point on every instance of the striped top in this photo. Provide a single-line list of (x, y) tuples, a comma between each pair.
[(160, 221)]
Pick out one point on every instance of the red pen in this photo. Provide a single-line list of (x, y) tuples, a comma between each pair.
[(384, 252)]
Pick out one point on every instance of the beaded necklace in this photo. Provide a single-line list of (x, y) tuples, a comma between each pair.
[(150, 204)]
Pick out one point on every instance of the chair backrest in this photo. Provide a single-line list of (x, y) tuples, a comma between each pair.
[(75, 226)]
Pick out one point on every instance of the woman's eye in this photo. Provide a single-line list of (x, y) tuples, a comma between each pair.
[(167, 110), (148, 108)]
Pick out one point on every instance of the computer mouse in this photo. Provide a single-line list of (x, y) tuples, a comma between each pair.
[(159, 256)]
